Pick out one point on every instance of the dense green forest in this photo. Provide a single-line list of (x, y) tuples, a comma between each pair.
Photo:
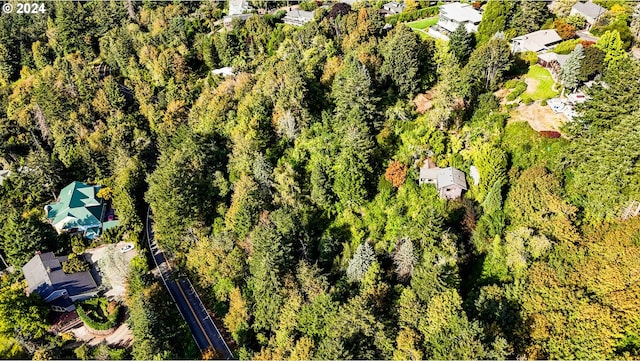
[(289, 192)]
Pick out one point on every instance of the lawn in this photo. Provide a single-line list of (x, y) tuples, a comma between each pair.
[(540, 83), (423, 24)]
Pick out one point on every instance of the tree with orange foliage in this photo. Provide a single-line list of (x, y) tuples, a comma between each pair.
[(396, 173)]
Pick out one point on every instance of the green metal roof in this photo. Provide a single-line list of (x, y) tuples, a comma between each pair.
[(78, 206)]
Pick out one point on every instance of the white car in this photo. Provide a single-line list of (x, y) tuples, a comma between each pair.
[(126, 248)]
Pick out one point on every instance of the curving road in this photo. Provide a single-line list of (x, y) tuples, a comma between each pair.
[(204, 331)]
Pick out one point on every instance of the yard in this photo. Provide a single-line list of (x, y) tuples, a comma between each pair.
[(422, 26), (539, 83)]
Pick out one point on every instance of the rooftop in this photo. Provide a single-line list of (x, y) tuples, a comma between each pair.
[(461, 13), (538, 40), (589, 9), (451, 176), (44, 275), (78, 206)]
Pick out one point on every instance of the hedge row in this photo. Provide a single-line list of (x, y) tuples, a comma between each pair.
[(517, 91), (99, 326), (413, 15)]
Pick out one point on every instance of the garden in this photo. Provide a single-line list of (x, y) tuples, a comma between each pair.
[(99, 313)]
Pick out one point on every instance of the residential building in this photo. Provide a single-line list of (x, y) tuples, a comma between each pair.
[(80, 210), (227, 20), (45, 277), (298, 17), (4, 174), (539, 41), (588, 10), (238, 7), (453, 15), (225, 72), (552, 61), (449, 181), (392, 8)]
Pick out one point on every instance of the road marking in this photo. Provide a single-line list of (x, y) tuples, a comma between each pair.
[(194, 314)]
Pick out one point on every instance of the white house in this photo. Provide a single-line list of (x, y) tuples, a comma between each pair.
[(588, 10), (450, 181), (237, 7), (298, 17), (539, 41), (225, 72), (451, 16), (394, 7)]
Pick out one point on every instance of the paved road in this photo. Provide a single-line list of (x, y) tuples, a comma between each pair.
[(204, 331)]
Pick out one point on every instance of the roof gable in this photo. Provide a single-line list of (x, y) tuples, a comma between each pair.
[(44, 275), (589, 9), (78, 206)]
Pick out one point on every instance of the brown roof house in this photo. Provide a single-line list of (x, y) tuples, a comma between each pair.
[(449, 181)]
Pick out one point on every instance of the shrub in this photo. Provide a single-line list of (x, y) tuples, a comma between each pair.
[(529, 57), (517, 91), (543, 102), (526, 99), (98, 313), (75, 263), (565, 30), (566, 47), (413, 15), (577, 21), (511, 83)]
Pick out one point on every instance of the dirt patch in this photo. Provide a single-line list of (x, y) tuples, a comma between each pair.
[(423, 102), (540, 118), (532, 84), (122, 337)]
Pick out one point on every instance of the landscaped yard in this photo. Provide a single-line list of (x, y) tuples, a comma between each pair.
[(540, 83), (422, 26)]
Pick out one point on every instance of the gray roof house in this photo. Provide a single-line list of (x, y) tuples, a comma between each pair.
[(45, 277), (298, 17), (450, 181), (588, 10), (538, 41)]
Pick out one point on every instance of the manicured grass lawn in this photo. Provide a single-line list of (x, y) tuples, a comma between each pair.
[(423, 24), (544, 88)]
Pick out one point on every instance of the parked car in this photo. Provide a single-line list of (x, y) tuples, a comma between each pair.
[(126, 248)]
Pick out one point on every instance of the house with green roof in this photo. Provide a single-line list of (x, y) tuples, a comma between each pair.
[(80, 210)]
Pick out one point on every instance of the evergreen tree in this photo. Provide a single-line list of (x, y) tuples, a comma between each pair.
[(612, 47), (360, 263), (461, 44), (570, 70), (496, 17)]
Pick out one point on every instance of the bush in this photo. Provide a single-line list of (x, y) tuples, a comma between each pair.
[(517, 91), (529, 57), (566, 47), (98, 313), (576, 21), (526, 100), (413, 15), (511, 83), (543, 102), (75, 263)]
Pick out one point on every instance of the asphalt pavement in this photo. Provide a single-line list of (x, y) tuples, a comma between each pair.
[(204, 331)]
